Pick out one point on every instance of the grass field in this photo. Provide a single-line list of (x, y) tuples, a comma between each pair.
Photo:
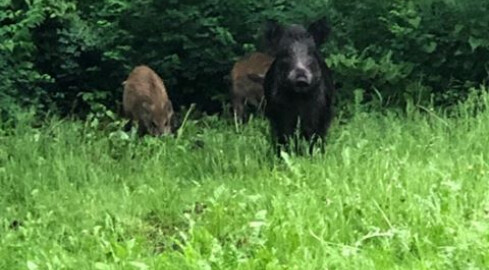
[(393, 191)]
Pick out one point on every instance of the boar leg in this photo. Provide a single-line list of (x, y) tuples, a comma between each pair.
[(142, 130), (316, 140), (238, 108), (281, 142), (128, 126)]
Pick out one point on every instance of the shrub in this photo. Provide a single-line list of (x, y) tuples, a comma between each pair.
[(73, 55), (392, 46)]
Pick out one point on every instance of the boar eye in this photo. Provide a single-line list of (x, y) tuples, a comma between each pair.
[(285, 60)]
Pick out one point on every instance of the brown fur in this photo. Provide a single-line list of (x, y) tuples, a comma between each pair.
[(247, 78), (146, 102)]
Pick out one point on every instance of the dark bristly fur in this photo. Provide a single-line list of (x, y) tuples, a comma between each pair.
[(298, 86)]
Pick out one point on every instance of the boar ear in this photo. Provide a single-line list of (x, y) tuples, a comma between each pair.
[(273, 31), (320, 30), (147, 111), (169, 107)]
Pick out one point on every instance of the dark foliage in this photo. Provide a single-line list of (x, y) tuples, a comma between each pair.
[(71, 55)]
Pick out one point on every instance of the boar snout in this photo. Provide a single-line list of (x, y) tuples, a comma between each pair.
[(300, 78)]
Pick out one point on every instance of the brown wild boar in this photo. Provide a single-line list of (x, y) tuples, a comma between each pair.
[(146, 102), (247, 78)]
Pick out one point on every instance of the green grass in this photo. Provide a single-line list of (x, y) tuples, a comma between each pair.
[(393, 191)]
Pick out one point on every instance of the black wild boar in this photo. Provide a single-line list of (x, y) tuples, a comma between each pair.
[(298, 86), (247, 78), (146, 102)]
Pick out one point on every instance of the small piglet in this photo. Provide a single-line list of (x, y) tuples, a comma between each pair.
[(247, 77), (298, 86), (146, 102)]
